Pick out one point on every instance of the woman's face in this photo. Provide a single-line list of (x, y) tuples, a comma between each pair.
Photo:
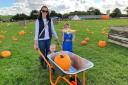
[(44, 12)]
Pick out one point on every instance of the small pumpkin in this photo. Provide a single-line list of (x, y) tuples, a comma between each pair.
[(83, 42), (21, 33), (2, 37), (5, 53), (63, 60), (102, 44), (87, 39), (105, 17)]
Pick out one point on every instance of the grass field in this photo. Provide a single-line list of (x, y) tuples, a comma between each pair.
[(23, 67), (5, 17)]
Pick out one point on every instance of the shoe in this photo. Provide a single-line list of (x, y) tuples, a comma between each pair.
[(43, 64)]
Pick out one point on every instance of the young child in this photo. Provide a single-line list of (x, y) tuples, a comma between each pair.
[(52, 48), (67, 38)]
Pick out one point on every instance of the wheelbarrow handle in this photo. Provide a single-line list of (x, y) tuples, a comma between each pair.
[(44, 58)]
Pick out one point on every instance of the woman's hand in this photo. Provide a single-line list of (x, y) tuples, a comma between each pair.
[(36, 45), (56, 39)]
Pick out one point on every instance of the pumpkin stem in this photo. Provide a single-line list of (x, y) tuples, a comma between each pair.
[(61, 56)]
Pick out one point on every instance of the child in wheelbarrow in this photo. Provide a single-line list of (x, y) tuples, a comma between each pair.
[(52, 48), (71, 79), (68, 36)]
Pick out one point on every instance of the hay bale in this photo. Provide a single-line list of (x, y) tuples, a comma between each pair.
[(118, 35)]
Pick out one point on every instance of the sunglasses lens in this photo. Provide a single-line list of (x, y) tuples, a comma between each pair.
[(44, 11)]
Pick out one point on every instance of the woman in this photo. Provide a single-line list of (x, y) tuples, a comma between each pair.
[(44, 28)]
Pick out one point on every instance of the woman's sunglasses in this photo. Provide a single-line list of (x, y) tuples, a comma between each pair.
[(44, 11)]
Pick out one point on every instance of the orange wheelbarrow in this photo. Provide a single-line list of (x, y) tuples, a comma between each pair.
[(79, 64)]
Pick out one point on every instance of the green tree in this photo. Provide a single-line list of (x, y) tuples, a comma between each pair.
[(126, 9), (66, 15), (97, 12), (0, 19), (93, 11), (116, 13), (34, 14), (20, 17), (59, 15), (53, 13)]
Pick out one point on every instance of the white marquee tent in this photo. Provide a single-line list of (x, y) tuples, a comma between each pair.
[(75, 17)]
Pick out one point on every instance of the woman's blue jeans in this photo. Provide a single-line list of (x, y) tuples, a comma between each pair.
[(44, 46)]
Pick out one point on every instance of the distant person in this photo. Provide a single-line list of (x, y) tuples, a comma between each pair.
[(44, 28)]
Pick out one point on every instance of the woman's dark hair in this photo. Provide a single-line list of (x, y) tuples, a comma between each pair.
[(40, 14)]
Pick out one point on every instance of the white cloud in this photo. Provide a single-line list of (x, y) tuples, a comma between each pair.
[(62, 6)]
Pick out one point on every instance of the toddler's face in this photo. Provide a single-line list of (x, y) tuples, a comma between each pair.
[(66, 26), (52, 48)]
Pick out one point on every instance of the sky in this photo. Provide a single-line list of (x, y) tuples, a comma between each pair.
[(12, 7)]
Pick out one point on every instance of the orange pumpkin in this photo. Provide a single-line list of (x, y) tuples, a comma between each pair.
[(63, 60), (1, 36), (102, 44), (21, 33), (5, 53), (83, 42), (105, 17), (87, 39)]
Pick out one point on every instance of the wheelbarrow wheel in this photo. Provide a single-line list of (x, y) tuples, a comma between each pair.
[(72, 80)]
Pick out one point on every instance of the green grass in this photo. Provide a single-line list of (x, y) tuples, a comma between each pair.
[(23, 67), (5, 17)]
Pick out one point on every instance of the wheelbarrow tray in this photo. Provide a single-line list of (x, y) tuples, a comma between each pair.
[(78, 65)]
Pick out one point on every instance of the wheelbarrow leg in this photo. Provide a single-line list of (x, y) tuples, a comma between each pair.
[(84, 77), (50, 78), (58, 78), (76, 79), (66, 80)]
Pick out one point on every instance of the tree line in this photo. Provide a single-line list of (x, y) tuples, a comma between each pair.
[(91, 11)]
